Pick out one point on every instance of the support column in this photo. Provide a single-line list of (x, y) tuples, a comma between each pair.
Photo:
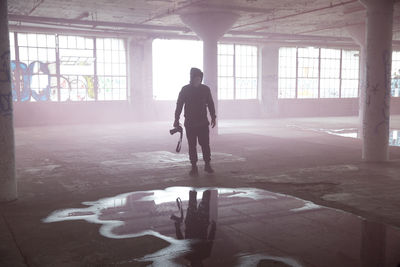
[(357, 33), (269, 74), (140, 86), (377, 87), (210, 26), (8, 184), (210, 66)]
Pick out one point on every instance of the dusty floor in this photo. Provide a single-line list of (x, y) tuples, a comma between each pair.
[(59, 167)]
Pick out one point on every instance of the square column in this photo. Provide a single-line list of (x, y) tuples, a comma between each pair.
[(269, 74), (8, 183)]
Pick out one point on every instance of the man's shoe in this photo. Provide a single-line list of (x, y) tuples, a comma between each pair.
[(208, 168), (194, 171)]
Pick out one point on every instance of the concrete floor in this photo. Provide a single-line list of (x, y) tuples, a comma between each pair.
[(59, 167)]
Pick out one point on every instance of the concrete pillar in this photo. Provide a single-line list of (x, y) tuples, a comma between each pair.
[(269, 73), (357, 33), (210, 66), (141, 79), (210, 26), (8, 184), (377, 87)]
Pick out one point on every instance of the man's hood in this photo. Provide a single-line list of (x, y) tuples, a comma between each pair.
[(195, 72)]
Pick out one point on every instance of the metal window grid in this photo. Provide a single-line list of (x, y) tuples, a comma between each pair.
[(40, 60)]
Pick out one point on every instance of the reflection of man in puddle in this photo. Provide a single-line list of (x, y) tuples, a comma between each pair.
[(196, 97), (199, 226)]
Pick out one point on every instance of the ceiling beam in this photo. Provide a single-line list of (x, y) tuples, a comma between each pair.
[(294, 15), (290, 36), (235, 8), (61, 21), (171, 11)]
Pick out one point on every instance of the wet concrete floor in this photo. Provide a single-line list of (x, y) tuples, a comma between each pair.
[(394, 135), (75, 167), (238, 227)]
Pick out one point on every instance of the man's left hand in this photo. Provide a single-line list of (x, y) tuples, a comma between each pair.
[(213, 123)]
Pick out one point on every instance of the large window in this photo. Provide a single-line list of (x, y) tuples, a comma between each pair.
[(237, 71), (49, 67), (317, 73), (172, 60)]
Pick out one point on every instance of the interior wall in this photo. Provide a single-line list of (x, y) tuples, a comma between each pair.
[(46, 113)]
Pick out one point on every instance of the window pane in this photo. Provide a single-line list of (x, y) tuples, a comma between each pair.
[(308, 62), (226, 85), (349, 88), (350, 73), (36, 67), (77, 69), (225, 88), (286, 88), (246, 88), (246, 71), (307, 88), (329, 88), (287, 72), (330, 63), (111, 69)]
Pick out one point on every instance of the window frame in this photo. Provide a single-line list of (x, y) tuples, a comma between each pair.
[(235, 75), (319, 77), (57, 71)]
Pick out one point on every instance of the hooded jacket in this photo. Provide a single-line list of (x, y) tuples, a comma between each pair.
[(196, 100)]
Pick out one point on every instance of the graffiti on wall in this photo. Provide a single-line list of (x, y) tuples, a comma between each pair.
[(5, 67), (5, 97), (26, 74), (38, 81), (6, 104)]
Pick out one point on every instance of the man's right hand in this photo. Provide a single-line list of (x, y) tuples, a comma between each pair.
[(176, 123)]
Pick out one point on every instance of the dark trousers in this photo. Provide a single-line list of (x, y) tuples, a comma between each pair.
[(201, 133)]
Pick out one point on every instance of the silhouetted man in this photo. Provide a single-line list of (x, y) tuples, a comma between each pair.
[(198, 227), (196, 97)]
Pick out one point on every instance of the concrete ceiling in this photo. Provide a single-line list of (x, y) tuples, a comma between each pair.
[(284, 20)]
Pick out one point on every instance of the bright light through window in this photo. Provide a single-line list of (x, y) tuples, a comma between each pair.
[(395, 86), (172, 60), (318, 73), (237, 71)]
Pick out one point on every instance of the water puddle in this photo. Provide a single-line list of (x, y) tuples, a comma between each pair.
[(239, 227), (394, 135)]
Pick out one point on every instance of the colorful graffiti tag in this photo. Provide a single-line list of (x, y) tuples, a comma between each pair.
[(26, 73), (38, 82)]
